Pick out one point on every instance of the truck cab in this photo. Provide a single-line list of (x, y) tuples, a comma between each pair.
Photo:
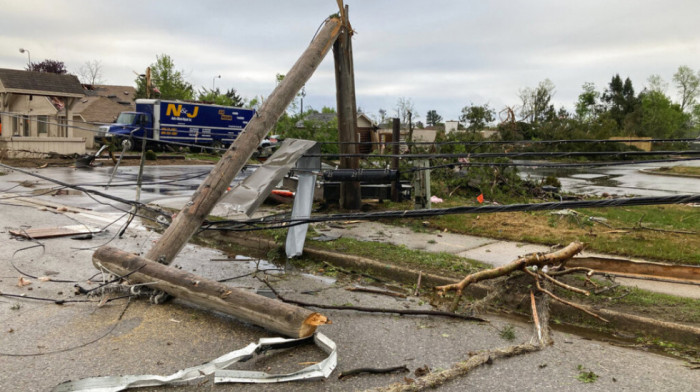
[(128, 126)]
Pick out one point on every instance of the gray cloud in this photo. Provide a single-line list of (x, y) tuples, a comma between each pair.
[(441, 54)]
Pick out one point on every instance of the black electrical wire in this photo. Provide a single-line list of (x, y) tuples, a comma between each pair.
[(249, 225), (487, 142), (549, 165), (509, 154)]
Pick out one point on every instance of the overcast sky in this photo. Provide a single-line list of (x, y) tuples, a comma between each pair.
[(443, 55)]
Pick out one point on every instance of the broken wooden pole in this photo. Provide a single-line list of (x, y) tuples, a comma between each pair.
[(350, 193), (190, 218), (286, 319)]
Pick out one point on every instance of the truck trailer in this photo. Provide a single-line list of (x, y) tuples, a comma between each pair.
[(162, 122)]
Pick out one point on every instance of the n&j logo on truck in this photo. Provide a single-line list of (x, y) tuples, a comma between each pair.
[(162, 122)]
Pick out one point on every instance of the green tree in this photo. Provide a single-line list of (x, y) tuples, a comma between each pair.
[(620, 99), (587, 101), (320, 131), (475, 117), (230, 98), (659, 117), (688, 84), (432, 118), (167, 83)]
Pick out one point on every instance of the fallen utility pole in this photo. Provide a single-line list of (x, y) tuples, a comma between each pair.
[(190, 218), (274, 315), (350, 193)]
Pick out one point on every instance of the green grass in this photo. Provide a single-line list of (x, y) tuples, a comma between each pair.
[(416, 259), (642, 231), (585, 375), (507, 333), (646, 303), (202, 157), (680, 170)]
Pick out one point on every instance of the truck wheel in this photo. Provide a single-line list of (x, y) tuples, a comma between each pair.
[(216, 147)]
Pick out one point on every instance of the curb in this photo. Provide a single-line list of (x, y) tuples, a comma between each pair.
[(676, 332)]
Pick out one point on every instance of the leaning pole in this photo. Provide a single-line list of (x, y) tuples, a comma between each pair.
[(192, 215)]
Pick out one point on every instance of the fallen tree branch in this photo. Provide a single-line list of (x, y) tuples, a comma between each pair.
[(434, 380), (375, 291), (535, 317), (564, 285), (565, 302), (534, 259)]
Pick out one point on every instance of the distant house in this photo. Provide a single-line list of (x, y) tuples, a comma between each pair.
[(30, 107), (100, 105), (366, 128), (385, 136)]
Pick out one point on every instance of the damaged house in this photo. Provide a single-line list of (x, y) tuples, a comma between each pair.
[(36, 111), (100, 105)]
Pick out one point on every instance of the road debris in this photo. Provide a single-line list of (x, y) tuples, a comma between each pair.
[(217, 367), (53, 232), (355, 372)]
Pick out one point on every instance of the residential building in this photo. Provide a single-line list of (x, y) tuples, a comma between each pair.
[(100, 105), (30, 108)]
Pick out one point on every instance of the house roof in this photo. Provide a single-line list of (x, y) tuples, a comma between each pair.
[(115, 93), (40, 83), (102, 104)]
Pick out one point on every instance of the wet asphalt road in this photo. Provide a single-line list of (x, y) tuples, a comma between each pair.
[(43, 344), (625, 180)]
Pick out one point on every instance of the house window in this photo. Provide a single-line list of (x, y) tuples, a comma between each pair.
[(15, 126), (41, 125), (26, 126)]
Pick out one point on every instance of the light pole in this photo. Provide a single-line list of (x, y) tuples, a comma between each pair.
[(213, 82), (29, 56)]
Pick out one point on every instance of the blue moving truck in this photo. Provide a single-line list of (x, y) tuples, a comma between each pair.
[(161, 122)]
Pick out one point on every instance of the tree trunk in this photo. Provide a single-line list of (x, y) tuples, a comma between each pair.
[(271, 314), (190, 218)]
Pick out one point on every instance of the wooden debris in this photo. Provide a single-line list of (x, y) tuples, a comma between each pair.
[(274, 315), (375, 291), (53, 232)]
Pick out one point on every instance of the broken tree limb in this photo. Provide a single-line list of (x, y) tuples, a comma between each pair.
[(569, 303), (190, 218), (534, 259), (564, 285), (434, 380), (286, 319)]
